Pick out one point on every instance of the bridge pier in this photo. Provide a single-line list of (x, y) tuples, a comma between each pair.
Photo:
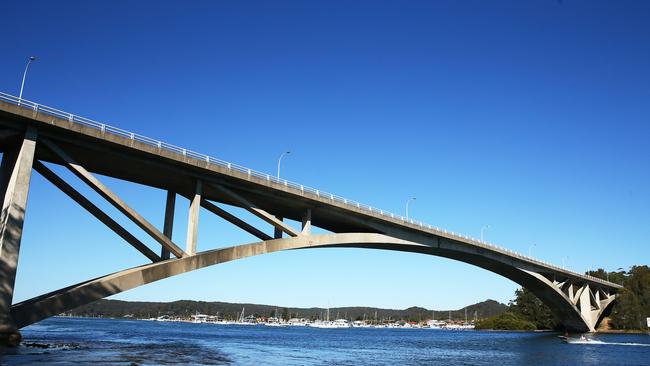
[(193, 219), (168, 226), (16, 172), (306, 222), (277, 232)]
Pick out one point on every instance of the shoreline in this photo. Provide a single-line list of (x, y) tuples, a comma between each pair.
[(623, 331)]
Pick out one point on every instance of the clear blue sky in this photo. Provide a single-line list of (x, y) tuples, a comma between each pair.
[(531, 116)]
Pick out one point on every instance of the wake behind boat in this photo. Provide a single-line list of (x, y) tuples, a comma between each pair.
[(586, 340)]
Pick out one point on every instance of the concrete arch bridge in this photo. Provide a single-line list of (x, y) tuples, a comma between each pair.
[(33, 135)]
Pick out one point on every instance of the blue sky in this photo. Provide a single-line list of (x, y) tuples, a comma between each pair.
[(532, 117)]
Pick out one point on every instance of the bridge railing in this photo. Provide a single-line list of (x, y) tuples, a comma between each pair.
[(73, 118)]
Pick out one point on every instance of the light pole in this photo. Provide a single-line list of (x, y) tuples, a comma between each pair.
[(530, 250), (564, 261), (280, 161), (407, 206), (483, 229), (22, 85)]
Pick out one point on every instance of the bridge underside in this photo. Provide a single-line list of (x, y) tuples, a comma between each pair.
[(577, 301)]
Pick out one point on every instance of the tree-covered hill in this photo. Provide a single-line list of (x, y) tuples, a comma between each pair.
[(117, 309)]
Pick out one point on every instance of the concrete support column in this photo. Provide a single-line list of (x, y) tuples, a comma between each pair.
[(306, 222), (168, 226), (585, 307), (193, 219), (277, 233), (16, 175)]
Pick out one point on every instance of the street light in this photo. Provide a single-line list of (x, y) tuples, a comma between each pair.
[(22, 85), (407, 206), (280, 161), (482, 229), (530, 249), (564, 261)]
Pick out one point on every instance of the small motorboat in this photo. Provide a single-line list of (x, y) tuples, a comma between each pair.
[(582, 340)]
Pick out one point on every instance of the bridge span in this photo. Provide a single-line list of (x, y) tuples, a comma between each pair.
[(33, 135)]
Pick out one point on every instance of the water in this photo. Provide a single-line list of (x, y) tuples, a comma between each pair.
[(133, 342)]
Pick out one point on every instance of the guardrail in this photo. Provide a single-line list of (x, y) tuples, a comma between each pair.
[(40, 108)]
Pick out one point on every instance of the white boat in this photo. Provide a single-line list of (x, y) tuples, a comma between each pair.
[(275, 322), (360, 324), (199, 318), (582, 340), (336, 324), (297, 322)]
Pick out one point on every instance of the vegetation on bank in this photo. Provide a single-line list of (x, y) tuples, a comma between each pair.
[(525, 312), (632, 306), (505, 321), (629, 312)]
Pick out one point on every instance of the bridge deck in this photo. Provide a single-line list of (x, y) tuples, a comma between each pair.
[(117, 153)]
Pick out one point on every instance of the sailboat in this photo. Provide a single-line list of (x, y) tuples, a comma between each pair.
[(242, 319)]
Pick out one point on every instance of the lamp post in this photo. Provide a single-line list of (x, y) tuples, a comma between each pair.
[(280, 161), (483, 229), (407, 206), (22, 85), (530, 250), (564, 261)]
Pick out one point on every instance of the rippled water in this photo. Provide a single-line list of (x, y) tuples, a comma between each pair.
[(132, 342)]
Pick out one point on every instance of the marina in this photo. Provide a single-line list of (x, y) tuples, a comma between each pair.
[(339, 323)]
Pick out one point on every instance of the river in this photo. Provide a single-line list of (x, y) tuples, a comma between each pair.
[(133, 342)]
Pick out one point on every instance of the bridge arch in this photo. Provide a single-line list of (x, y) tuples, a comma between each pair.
[(564, 299)]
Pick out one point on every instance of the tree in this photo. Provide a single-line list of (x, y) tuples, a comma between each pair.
[(285, 313), (505, 321), (529, 308), (632, 304)]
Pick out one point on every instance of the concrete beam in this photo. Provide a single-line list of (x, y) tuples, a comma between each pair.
[(95, 211), (234, 220), (168, 226), (278, 224), (17, 172), (114, 199), (193, 219)]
